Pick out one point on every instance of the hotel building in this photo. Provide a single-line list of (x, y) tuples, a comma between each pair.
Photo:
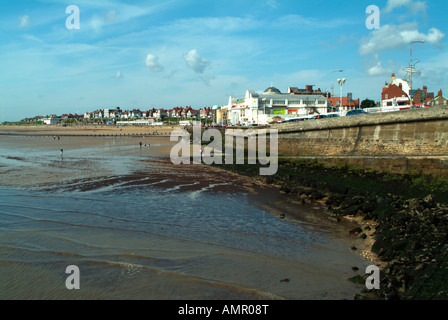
[(271, 104)]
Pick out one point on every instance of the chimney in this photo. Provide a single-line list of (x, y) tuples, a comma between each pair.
[(393, 76), (440, 93)]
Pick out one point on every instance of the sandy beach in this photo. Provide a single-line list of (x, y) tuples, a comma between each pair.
[(154, 230), (86, 130), (155, 149)]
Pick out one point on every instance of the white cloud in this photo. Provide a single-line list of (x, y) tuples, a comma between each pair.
[(24, 21), (195, 61), (152, 62), (122, 13), (413, 6), (33, 38), (272, 3), (395, 36), (378, 69), (118, 75), (207, 79), (207, 25), (110, 16)]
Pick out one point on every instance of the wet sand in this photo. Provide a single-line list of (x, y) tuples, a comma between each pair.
[(192, 212), (37, 160), (75, 171)]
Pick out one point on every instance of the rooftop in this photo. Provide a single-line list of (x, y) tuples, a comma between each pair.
[(272, 90)]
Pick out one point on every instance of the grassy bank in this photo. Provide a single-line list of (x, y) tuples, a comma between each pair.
[(410, 213)]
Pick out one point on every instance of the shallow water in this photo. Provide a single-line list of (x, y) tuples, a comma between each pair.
[(140, 228)]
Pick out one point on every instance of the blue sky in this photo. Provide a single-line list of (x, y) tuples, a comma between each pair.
[(145, 54)]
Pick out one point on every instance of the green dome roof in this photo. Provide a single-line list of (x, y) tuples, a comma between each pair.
[(272, 90)]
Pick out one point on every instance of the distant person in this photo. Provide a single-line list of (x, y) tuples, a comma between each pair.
[(62, 153), (141, 144)]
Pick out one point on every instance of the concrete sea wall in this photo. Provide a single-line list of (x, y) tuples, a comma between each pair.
[(403, 142)]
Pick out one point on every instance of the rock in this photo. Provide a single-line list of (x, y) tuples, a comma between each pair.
[(284, 280), (355, 269), (429, 202), (355, 231), (414, 204), (420, 267), (334, 219), (357, 279), (316, 195)]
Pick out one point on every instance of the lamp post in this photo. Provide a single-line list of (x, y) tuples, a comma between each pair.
[(332, 93), (411, 67), (341, 83)]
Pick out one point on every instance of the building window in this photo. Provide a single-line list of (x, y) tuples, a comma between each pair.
[(387, 96)]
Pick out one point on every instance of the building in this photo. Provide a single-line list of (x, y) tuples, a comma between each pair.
[(53, 119), (347, 103), (222, 115), (438, 101), (98, 114), (191, 113), (307, 91), (111, 113), (206, 113), (420, 96), (262, 108), (396, 93), (160, 113)]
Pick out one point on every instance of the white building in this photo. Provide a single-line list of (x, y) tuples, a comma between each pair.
[(262, 108), (396, 94), (52, 120)]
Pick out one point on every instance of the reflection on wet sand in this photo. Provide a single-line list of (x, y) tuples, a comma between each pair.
[(139, 227)]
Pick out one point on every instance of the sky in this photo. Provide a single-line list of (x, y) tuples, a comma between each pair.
[(164, 54)]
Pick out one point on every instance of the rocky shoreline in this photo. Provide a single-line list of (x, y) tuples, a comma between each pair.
[(403, 221)]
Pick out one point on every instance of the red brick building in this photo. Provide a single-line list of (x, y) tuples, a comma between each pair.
[(421, 95), (347, 103), (395, 93), (438, 101)]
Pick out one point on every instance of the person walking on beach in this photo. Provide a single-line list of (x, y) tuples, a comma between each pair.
[(140, 144), (62, 153)]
